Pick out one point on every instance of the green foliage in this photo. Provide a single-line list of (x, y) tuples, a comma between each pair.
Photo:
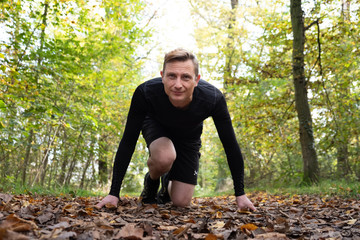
[(260, 92), (67, 74), (68, 70)]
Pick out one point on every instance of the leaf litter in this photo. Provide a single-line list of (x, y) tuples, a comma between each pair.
[(277, 217)]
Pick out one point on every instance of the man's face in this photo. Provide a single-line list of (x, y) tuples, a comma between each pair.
[(179, 82)]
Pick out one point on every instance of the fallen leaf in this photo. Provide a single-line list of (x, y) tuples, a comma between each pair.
[(211, 236), (218, 214), (167, 228), (5, 197), (271, 236), (352, 221), (218, 225), (179, 230), (130, 231), (110, 206), (45, 217), (248, 226)]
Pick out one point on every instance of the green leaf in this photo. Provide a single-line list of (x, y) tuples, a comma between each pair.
[(2, 105)]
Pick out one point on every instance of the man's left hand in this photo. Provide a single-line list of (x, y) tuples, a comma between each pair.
[(244, 203)]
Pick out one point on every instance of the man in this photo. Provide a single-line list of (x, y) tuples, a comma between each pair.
[(170, 112)]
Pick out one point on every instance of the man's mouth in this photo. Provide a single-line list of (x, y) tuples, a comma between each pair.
[(178, 93)]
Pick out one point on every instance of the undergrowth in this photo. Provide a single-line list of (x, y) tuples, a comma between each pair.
[(340, 188)]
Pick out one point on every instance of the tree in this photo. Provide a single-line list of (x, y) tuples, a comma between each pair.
[(310, 163), (67, 73)]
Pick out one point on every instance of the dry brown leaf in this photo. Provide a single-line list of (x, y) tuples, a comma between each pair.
[(15, 220), (5, 197), (69, 209), (110, 206), (298, 217), (167, 228), (45, 217), (271, 236), (244, 212), (210, 236), (130, 231), (179, 230), (103, 224), (8, 234), (189, 220)]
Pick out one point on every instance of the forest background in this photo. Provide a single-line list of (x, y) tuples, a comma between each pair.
[(69, 68)]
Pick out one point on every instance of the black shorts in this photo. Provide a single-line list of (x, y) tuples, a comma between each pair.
[(186, 166)]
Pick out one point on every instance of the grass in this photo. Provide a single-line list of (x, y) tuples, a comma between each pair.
[(341, 188), (44, 191)]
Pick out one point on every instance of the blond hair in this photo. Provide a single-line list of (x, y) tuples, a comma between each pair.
[(181, 55)]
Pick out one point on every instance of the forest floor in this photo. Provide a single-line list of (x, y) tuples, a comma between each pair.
[(277, 217)]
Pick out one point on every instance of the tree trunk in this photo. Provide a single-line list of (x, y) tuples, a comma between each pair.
[(53, 168), (73, 161), (42, 40), (342, 139), (310, 163), (37, 76), (357, 158), (230, 47), (65, 148), (221, 176), (102, 163), (27, 157), (342, 159), (87, 164), (102, 170)]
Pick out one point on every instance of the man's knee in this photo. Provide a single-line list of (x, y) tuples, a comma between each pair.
[(181, 201), (181, 193), (162, 151)]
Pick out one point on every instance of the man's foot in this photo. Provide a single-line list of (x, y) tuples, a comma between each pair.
[(163, 196), (148, 195)]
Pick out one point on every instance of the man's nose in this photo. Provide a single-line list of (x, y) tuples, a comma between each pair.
[(178, 83)]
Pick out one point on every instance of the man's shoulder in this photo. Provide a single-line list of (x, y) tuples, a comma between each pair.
[(152, 82), (152, 87), (208, 91)]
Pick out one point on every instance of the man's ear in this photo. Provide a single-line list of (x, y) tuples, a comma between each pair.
[(197, 79), (162, 76)]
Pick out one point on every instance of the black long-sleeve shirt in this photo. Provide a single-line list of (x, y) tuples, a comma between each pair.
[(150, 99)]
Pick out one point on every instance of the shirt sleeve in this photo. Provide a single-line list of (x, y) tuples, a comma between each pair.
[(227, 136), (135, 118)]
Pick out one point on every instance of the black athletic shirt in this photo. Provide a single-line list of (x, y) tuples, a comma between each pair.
[(150, 99)]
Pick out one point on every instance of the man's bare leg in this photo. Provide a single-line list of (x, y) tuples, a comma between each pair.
[(162, 157), (181, 193)]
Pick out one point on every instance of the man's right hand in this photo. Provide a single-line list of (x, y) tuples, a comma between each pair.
[(109, 199)]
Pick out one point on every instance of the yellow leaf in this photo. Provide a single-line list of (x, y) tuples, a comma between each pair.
[(249, 226), (218, 214), (352, 221), (244, 212), (218, 225)]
